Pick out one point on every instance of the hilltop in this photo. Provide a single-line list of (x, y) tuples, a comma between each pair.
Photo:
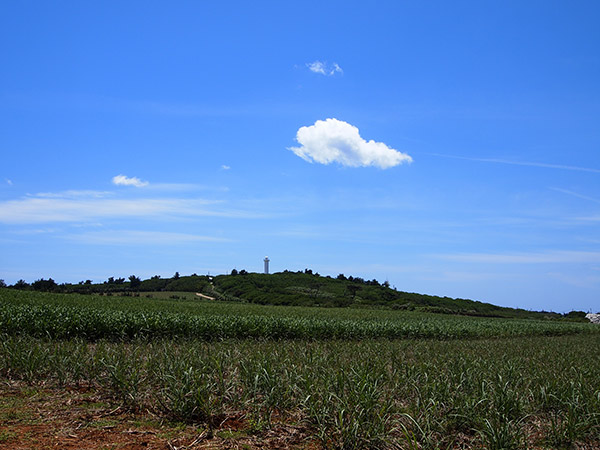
[(302, 288)]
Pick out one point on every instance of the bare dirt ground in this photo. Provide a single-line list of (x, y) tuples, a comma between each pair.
[(80, 418)]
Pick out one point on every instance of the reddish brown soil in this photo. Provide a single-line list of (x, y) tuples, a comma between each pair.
[(78, 418), (38, 417)]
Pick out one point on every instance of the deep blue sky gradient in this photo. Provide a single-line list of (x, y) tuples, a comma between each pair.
[(498, 104)]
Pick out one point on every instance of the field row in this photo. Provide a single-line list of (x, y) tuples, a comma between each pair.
[(541, 392), (62, 322), (63, 316)]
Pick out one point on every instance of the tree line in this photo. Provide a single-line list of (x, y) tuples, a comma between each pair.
[(111, 285)]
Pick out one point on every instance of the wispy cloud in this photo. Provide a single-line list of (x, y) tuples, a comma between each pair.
[(590, 219), (225, 167), (122, 180), (560, 256), (581, 281), (73, 194), (576, 194), (9, 182), (323, 68), (520, 163), (333, 140), (460, 277), (183, 187), (132, 237), (50, 209)]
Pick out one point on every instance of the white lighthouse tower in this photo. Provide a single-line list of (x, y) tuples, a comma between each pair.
[(266, 264)]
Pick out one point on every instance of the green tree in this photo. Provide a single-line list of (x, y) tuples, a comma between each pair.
[(48, 285), (134, 282), (353, 289), (21, 284), (315, 289)]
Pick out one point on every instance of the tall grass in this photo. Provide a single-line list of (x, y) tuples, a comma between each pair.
[(62, 316), (541, 392), (355, 378)]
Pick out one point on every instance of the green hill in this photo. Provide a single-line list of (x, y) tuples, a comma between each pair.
[(303, 288), (308, 289)]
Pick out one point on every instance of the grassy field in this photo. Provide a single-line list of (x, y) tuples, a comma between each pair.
[(106, 317), (345, 379), (291, 289)]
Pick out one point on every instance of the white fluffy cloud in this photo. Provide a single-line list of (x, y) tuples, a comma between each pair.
[(324, 68), (122, 180), (333, 140)]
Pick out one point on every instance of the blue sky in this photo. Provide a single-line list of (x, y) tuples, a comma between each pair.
[(452, 148)]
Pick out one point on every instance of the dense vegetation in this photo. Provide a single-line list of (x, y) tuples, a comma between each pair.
[(293, 289), (352, 378), (516, 393), (101, 317)]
